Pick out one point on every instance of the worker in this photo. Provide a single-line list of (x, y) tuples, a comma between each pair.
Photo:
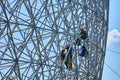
[(69, 56), (67, 49), (82, 35), (63, 55), (84, 51)]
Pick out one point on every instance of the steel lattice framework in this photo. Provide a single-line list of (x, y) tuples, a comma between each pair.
[(32, 33)]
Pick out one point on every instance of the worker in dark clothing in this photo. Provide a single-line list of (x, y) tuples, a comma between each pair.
[(82, 35)]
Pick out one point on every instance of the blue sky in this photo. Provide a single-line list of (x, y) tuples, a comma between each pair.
[(113, 43)]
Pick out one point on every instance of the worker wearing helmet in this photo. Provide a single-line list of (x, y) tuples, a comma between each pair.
[(69, 57), (63, 55), (67, 49), (82, 35)]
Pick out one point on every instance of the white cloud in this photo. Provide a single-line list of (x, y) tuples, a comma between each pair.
[(113, 36)]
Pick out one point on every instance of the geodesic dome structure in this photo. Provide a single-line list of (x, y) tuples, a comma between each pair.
[(33, 32)]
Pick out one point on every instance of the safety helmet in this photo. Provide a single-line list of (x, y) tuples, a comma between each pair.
[(80, 28)]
